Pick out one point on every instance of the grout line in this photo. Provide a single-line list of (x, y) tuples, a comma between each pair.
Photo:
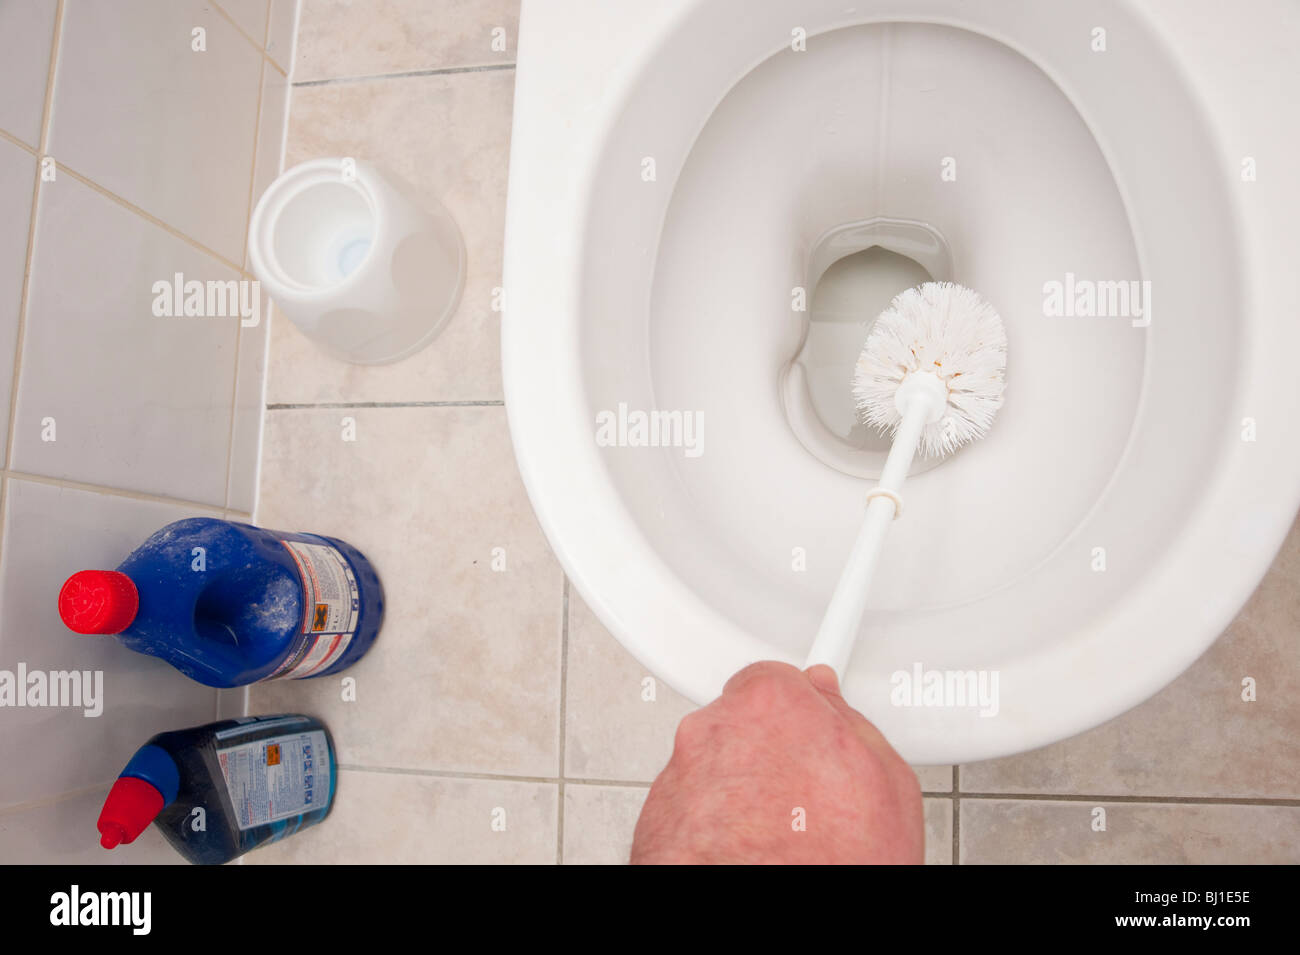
[(56, 798), (260, 405), (293, 406), (295, 29), (1021, 797), (280, 152), (1140, 800), (259, 47), (266, 36), (564, 678), (86, 181), (621, 783), (494, 777), (11, 138), (956, 815), (614, 783), (266, 26), (56, 40), (406, 74), (248, 216), (20, 334), (111, 491)]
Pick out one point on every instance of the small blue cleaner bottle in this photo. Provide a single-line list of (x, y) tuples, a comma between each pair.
[(220, 790), (230, 604)]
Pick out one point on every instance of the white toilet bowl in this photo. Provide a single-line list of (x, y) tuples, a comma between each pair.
[(682, 176)]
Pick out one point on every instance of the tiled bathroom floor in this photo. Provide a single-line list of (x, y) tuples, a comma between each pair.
[(496, 720)]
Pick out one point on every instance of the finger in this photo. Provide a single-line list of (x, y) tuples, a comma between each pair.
[(824, 680), (757, 672)]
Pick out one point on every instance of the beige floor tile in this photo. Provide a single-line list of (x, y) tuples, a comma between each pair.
[(395, 818), (1197, 737), (599, 822), (465, 673), (347, 38), (934, 779), (1025, 831), (938, 831), (611, 730), (448, 136)]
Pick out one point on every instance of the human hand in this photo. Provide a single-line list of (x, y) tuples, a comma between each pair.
[(780, 769)]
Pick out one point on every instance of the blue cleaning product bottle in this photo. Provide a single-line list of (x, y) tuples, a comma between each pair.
[(230, 604), (220, 790)]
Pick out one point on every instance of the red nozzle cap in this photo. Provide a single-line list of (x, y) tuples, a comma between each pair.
[(131, 805), (98, 601)]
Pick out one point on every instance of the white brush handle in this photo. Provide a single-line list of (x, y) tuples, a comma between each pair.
[(919, 405)]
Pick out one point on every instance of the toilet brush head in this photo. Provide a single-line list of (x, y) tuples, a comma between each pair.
[(950, 332)]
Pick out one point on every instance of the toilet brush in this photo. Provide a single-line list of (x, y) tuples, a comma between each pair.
[(932, 373)]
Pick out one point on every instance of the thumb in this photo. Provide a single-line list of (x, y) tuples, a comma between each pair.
[(824, 679)]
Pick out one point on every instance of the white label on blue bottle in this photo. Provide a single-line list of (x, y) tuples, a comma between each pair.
[(276, 778), (331, 604)]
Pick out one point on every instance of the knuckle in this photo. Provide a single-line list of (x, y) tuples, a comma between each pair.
[(692, 732)]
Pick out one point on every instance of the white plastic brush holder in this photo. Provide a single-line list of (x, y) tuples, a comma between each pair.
[(351, 258)]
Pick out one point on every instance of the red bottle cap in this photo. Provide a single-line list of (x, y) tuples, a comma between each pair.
[(98, 601), (131, 805)]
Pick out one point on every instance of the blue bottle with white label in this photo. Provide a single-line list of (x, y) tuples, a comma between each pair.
[(230, 604), (223, 789)]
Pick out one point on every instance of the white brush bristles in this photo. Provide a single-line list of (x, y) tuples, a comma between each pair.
[(951, 332)]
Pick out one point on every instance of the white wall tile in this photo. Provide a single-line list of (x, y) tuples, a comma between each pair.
[(26, 33), (49, 534), (246, 436), (17, 179), (282, 34), (168, 129), (139, 402), (250, 404), (271, 131), (251, 17), (63, 833)]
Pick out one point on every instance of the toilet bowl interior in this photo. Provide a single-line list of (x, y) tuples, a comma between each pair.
[(912, 122), (715, 545)]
